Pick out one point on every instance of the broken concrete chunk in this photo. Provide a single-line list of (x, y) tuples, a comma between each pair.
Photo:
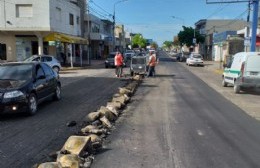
[(113, 109), (94, 138), (50, 165), (123, 91), (71, 161), (106, 112), (93, 116), (116, 105), (137, 77), (92, 129), (76, 144), (105, 122)]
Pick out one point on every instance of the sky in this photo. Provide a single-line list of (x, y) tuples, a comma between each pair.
[(161, 20)]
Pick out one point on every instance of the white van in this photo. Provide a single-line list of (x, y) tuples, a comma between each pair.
[(243, 71)]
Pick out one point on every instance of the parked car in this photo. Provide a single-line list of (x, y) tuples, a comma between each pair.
[(195, 59), (49, 59), (243, 71), (129, 54), (110, 60), (182, 57), (24, 85)]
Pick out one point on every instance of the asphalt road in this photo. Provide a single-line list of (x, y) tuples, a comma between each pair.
[(25, 141), (176, 120)]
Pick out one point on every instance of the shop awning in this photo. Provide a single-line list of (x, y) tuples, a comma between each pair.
[(65, 38)]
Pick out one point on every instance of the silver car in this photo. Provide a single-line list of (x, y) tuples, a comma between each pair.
[(195, 59), (48, 59)]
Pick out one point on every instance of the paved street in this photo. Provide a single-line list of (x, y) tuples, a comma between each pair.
[(177, 120), (211, 75)]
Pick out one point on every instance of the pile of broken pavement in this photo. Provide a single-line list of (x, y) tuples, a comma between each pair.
[(78, 151)]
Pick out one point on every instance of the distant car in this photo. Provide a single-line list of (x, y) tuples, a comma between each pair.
[(182, 57), (48, 59), (195, 59), (110, 60), (23, 85), (129, 54)]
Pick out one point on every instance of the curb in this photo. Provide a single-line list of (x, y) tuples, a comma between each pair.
[(78, 150)]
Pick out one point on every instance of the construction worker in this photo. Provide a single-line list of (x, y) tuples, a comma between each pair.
[(119, 62), (151, 64)]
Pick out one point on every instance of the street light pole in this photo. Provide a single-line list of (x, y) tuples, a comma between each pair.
[(174, 17), (114, 21)]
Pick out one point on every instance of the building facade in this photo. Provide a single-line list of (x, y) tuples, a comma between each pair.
[(29, 27), (210, 27)]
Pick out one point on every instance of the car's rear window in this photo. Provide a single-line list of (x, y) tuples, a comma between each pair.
[(111, 56), (197, 56), (16, 72)]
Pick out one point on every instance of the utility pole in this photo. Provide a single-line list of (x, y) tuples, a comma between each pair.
[(247, 36), (88, 17), (254, 24), (114, 21), (254, 20)]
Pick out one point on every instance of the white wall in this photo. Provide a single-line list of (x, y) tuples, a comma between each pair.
[(44, 16), (63, 25), (38, 21)]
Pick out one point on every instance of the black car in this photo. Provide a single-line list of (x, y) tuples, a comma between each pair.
[(24, 85), (109, 62)]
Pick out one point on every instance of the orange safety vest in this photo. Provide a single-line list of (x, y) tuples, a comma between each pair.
[(152, 61), (118, 60)]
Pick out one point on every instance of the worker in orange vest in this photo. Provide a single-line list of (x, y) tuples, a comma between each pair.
[(151, 64), (119, 62)]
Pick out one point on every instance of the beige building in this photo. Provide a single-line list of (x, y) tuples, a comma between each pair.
[(29, 27)]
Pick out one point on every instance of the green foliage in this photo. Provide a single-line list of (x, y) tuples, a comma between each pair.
[(167, 44), (139, 41), (154, 45), (186, 36)]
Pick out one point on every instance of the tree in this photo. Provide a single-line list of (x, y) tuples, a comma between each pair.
[(167, 44), (186, 36), (139, 41), (154, 45)]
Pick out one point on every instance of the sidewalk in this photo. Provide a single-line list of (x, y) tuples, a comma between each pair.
[(84, 65), (247, 101)]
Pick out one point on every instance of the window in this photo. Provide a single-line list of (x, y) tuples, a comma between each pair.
[(24, 10), (95, 28), (46, 59), (71, 19), (47, 70), (39, 72)]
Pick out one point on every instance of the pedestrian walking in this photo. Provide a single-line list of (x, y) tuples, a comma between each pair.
[(119, 62), (151, 64)]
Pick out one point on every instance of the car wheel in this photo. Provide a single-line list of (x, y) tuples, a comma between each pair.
[(236, 88), (224, 84), (32, 104), (57, 94), (56, 69)]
